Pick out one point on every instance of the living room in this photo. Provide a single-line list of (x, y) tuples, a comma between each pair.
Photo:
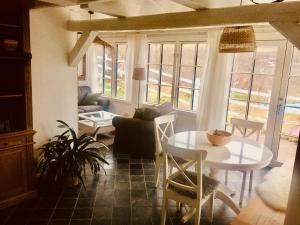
[(177, 67)]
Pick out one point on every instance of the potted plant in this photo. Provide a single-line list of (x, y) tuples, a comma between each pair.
[(64, 158)]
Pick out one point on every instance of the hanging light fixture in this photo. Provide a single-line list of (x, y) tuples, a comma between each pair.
[(237, 39)]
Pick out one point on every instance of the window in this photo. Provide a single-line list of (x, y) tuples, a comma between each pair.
[(175, 77), (111, 70), (251, 84)]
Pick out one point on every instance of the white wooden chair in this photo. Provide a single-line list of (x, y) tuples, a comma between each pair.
[(246, 128), (164, 128), (185, 186)]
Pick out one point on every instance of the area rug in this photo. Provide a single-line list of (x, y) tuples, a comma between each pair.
[(274, 190)]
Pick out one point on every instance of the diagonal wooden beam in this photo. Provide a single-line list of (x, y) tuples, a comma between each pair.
[(190, 3), (81, 46), (286, 12), (290, 30)]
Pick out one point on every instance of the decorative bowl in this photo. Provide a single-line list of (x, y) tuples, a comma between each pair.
[(219, 137)]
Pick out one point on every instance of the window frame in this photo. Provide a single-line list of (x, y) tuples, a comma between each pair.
[(176, 72)]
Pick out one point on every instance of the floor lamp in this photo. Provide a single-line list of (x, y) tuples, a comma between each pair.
[(139, 74)]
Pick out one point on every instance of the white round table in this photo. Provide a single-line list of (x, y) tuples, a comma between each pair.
[(240, 154)]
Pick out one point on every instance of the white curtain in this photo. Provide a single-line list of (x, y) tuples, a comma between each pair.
[(137, 50), (215, 86)]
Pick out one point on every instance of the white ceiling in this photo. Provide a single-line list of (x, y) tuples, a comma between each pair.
[(128, 8)]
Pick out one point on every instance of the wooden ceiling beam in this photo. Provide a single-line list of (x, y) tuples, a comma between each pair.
[(190, 3), (103, 10), (285, 12), (289, 30), (70, 2)]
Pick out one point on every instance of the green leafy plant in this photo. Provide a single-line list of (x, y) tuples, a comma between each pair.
[(66, 156)]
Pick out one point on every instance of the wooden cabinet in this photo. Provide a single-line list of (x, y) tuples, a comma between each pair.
[(16, 133)]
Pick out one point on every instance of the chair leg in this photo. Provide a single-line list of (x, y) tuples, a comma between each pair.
[(226, 177), (211, 207), (251, 181), (157, 170), (164, 211), (243, 188), (198, 214), (178, 206), (170, 169)]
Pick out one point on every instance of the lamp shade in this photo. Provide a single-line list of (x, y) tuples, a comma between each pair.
[(139, 74), (237, 39)]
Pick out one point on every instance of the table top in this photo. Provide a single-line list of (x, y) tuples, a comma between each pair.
[(98, 116), (240, 154)]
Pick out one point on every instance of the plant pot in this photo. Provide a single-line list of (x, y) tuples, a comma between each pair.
[(72, 181)]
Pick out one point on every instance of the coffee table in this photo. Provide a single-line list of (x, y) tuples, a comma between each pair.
[(90, 121)]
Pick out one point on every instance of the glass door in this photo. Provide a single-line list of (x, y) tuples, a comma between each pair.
[(255, 82), (287, 125)]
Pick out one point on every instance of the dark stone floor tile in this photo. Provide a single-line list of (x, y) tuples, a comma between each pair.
[(138, 185), (47, 203), (122, 198), (102, 213), (149, 172), (123, 166), (122, 172), (62, 214), (71, 192), (136, 172), (123, 161), (123, 156), (41, 214), (136, 166), (83, 213), (66, 203), (80, 222), (121, 214), (148, 166), (85, 202), (87, 193), (137, 178), (135, 160), (119, 185), (37, 222), (59, 222), (121, 178), (101, 222), (16, 222)]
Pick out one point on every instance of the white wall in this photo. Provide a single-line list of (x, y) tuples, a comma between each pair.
[(54, 83)]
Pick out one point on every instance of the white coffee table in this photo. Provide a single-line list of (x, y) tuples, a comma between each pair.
[(92, 120)]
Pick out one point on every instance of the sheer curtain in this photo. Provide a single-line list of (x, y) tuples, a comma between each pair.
[(215, 86)]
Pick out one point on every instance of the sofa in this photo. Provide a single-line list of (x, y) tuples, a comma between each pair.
[(91, 102), (135, 136)]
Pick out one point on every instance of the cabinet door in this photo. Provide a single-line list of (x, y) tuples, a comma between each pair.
[(12, 172)]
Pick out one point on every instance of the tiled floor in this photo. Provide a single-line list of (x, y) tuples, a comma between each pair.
[(124, 196)]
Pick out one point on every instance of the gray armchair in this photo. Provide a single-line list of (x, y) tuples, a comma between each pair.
[(100, 105)]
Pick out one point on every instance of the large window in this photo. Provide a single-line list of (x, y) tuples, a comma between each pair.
[(251, 84), (174, 73), (111, 64)]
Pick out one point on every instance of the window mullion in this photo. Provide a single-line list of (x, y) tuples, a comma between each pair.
[(250, 86), (194, 78), (160, 73)]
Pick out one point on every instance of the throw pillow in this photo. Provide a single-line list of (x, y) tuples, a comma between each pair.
[(150, 114), (138, 114), (91, 99)]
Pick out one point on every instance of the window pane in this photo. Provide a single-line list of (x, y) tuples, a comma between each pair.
[(184, 99), (167, 75), (107, 84), (261, 89), (168, 54), (152, 94), (196, 100), (258, 112), (186, 76), (295, 69), (99, 52), (243, 62), (122, 52), (293, 94), (165, 94), (265, 60), (239, 87), (153, 74), (236, 109), (199, 74), (188, 52), (202, 54), (121, 80), (155, 53)]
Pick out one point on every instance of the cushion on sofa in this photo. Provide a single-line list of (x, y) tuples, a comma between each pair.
[(150, 114), (91, 99), (90, 108), (82, 93)]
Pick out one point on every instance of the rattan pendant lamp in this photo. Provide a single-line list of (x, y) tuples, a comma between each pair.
[(237, 39)]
